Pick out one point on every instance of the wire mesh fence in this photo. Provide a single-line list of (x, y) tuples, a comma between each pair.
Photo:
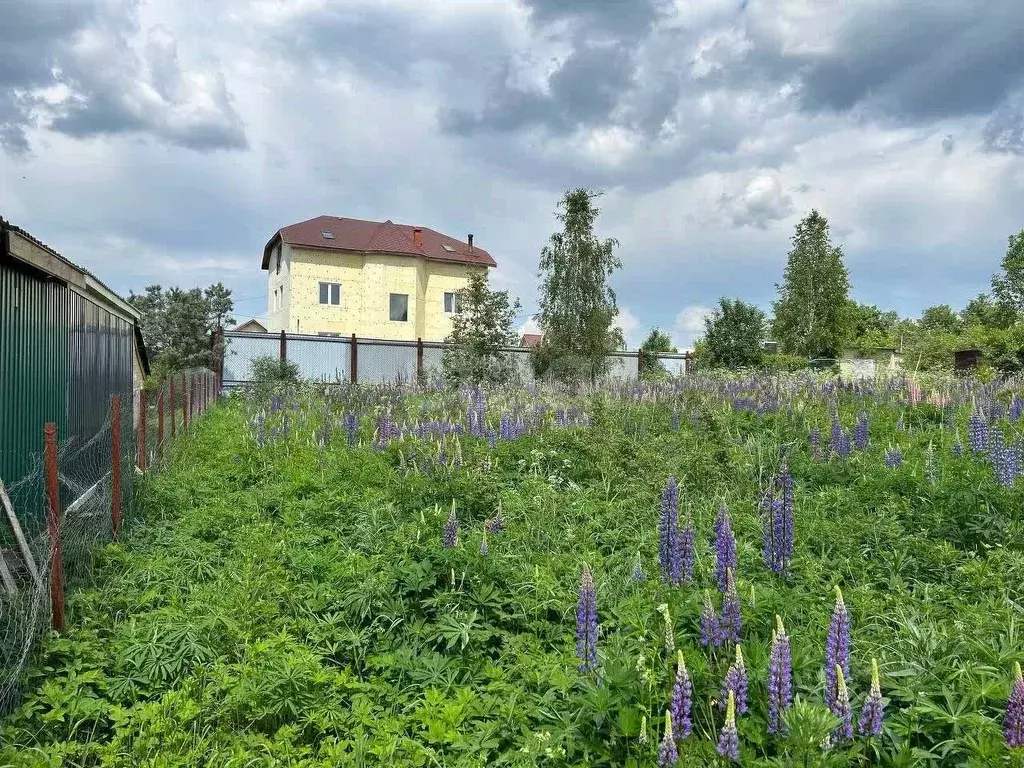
[(373, 361), (77, 495)]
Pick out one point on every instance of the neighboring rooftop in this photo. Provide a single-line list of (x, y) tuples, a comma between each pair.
[(531, 340), (333, 233)]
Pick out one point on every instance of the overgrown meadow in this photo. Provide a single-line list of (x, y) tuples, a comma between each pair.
[(416, 577)]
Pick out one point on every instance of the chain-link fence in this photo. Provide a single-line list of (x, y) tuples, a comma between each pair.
[(373, 361), (76, 496)]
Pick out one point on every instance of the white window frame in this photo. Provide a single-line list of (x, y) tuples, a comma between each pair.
[(455, 302), (330, 290), (390, 297)]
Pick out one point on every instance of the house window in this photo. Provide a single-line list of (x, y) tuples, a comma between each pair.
[(451, 303), (277, 252), (400, 307), (330, 293)]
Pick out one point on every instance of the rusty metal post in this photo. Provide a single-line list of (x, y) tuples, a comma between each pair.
[(218, 361), (354, 360), (639, 362), (115, 466), (143, 407), (283, 353), (419, 359), (172, 408), (184, 404), (53, 524), (160, 426)]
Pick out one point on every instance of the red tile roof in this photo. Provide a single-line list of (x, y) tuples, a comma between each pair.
[(376, 237), (531, 340)]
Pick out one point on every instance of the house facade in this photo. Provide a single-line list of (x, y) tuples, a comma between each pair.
[(337, 276)]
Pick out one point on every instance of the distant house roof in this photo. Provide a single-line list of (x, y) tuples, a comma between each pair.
[(531, 340), (250, 326), (333, 233)]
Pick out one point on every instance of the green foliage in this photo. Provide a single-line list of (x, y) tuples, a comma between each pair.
[(482, 324), (178, 325), (733, 335), (1008, 286), (940, 318), (981, 310), (812, 312), (657, 342), (577, 306), (780, 363), (291, 604)]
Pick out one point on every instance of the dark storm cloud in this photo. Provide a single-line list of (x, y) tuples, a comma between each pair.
[(1004, 132), (920, 63), (622, 18), (43, 47)]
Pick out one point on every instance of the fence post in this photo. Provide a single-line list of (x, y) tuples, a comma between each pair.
[(143, 407), (53, 523), (172, 409), (160, 426), (218, 361), (639, 362), (354, 362), (284, 346), (115, 466), (184, 404), (419, 359)]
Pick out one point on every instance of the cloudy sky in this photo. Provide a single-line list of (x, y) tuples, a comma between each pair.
[(166, 140)]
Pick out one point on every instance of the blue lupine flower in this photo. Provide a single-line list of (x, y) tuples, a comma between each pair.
[(894, 458), (639, 574), (709, 634), (497, 523), (736, 681), (815, 441), (780, 679), (668, 755), (682, 700), (668, 543), (860, 433), (977, 432), (729, 739), (870, 723), (958, 447), (725, 547), (1013, 721), (730, 624), (350, 427), (840, 707), (686, 552), (450, 537), (586, 623), (484, 549), (837, 647)]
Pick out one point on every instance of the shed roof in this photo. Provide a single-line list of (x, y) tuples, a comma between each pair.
[(363, 236)]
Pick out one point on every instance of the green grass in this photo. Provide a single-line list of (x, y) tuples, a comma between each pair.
[(293, 605)]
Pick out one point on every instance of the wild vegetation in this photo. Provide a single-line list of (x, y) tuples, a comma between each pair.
[(412, 577)]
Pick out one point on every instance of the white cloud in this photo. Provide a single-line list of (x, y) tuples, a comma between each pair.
[(530, 326), (689, 326), (629, 324)]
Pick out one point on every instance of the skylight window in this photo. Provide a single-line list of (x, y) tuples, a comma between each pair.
[(447, 247), (327, 234)]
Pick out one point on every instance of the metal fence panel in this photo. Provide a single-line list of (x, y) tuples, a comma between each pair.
[(675, 365), (621, 367), (376, 362), (240, 349), (433, 355), (324, 359)]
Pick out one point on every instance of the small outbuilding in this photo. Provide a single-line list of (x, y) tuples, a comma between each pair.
[(250, 326), (870, 363), (967, 359)]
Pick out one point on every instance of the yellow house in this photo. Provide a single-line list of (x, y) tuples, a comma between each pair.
[(379, 280)]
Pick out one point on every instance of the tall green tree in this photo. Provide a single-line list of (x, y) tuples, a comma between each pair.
[(657, 342), (577, 305), (982, 310), (940, 318), (1008, 285), (482, 323), (178, 324), (812, 312), (733, 335)]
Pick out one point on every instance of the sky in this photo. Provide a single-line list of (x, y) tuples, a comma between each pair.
[(164, 141)]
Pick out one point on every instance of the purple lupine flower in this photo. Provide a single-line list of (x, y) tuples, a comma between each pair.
[(1016, 409), (958, 447), (860, 433), (668, 755), (931, 467), (899, 424), (836, 438), (729, 626), (736, 682), (497, 523), (840, 707), (870, 723), (668, 544), (686, 552), (708, 623), (682, 700), (450, 538), (837, 647), (778, 528), (351, 425), (1013, 722), (780, 679), (484, 549), (729, 739), (725, 547), (977, 432), (894, 458), (586, 623), (842, 448), (639, 574), (815, 440)]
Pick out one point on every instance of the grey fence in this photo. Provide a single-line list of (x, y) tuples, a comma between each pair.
[(374, 361)]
